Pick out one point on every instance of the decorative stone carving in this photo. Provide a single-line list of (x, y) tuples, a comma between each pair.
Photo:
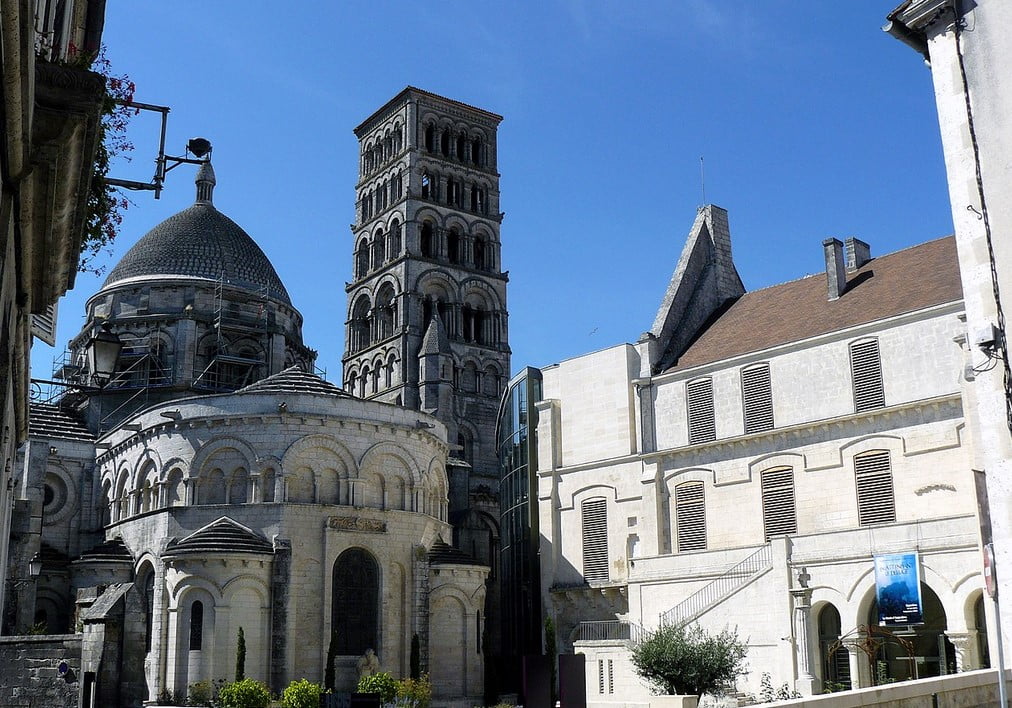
[(356, 523)]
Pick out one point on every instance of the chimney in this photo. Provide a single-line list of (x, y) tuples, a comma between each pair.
[(858, 253), (836, 274)]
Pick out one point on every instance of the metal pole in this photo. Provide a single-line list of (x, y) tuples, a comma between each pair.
[(1002, 692)]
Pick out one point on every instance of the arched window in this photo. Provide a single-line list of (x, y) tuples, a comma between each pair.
[(360, 324), (378, 248), (388, 372), (426, 187), (427, 240), (196, 625), (453, 245), (386, 312), (444, 142), (430, 137), (461, 147), (362, 259), (355, 604), (394, 239), (476, 151), (480, 253)]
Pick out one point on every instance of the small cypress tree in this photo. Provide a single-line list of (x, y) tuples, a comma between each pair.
[(551, 651), (328, 676), (240, 657), (416, 659)]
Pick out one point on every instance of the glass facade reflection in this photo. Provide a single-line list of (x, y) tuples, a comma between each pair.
[(520, 587)]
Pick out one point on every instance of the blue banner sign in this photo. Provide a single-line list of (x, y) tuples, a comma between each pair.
[(898, 588)]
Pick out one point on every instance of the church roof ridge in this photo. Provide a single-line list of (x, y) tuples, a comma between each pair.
[(294, 380)]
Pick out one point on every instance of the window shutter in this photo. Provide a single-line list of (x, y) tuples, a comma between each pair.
[(43, 325), (595, 540), (779, 515), (757, 398), (866, 370), (690, 517), (699, 398), (874, 477)]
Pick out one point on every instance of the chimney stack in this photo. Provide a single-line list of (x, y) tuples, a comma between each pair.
[(836, 273), (858, 253)]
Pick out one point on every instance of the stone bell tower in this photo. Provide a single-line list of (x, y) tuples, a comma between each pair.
[(426, 321)]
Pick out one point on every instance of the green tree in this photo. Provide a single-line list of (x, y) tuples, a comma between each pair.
[(551, 651), (686, 660), (381, 683), (240, 656), (248, 693), (328, 675), (302, 694)]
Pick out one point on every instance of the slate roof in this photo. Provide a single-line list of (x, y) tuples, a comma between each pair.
[(49, 421), (294, 380), (443, 553), (201, 242), (894, 284), (221, 536), (113, 551)]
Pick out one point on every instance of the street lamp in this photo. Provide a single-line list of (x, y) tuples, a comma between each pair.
[(35, 566), (102, 352)]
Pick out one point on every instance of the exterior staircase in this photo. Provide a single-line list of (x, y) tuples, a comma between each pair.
[(720, 588)]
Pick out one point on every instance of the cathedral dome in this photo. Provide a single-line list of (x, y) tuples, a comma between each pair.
[(201, 242)]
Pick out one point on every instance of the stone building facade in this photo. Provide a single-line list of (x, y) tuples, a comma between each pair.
[(427, 323), (214, 482), (50, 118), (745, 464)]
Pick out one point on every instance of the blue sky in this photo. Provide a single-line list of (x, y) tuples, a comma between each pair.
[(812, 122)]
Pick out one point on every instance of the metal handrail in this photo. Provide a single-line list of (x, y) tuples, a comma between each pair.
[(609, 630), (719, 588)]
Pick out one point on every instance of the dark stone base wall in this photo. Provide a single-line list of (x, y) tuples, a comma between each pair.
[(30, 670)]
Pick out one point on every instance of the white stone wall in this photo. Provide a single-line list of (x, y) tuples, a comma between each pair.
[(342, 473), (589, 412)]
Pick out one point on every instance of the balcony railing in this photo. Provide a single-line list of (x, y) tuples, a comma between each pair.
[(609, 630), (715, 591)]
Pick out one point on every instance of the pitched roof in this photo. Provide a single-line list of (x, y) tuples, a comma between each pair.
[(48, 421), (905, 281), (221, 536), (443, 553), (294, 380), (111, 551)]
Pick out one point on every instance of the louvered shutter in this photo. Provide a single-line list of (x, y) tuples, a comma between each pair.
[(866, 370), (779, 516), (757, 398), (690, 517), (595, 540), (874, 477), (699, 397), (43, 325)]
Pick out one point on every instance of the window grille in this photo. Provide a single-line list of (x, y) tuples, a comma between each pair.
[(595, 540), (866, 370), (699, 397), (690, 517), (757, 398), (874, 477), (779, 514)]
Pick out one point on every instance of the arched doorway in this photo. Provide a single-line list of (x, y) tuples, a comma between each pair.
[(913, 651), (835, 657), (355, 603)]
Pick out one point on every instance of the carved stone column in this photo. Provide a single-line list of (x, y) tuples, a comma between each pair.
[(967, 654), (805, 683), (860, 673)]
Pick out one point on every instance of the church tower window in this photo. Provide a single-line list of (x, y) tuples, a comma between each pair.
[(427, 239)]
